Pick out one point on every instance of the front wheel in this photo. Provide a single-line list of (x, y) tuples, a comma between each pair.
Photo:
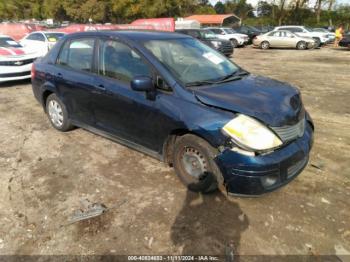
[(317, 42), (194, 164), (301, 45), (234, 43), (265, 45)]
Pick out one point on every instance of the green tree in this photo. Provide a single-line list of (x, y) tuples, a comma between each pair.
[(219, 8)]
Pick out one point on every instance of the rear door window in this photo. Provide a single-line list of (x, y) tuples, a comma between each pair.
[(78, 54)]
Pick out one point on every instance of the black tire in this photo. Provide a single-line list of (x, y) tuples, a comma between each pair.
[(234, 43), (317, 42), (208, 180), (301, 45), (65, 124), (265, 45)]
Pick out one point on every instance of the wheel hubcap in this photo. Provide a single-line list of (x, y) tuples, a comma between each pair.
[(55, 113), (194, 162)]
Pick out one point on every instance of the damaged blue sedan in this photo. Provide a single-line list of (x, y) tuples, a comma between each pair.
[(174, 98)]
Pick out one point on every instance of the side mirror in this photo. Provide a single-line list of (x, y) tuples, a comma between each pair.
[(142, 83)]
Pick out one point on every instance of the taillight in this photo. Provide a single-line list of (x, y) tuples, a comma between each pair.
[(33, 71)]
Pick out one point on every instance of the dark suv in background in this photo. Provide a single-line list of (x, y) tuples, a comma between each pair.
[(345, 42), (251, 31), (209, 38)]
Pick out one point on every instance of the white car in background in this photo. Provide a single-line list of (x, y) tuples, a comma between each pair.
[(319, 37), (41, 41), (330, 34), (227, 33), (15, 61)]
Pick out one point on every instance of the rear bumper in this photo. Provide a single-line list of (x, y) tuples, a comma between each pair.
[(256, 175)]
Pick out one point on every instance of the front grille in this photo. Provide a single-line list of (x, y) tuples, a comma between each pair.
[(17, 62), (287, 133), (15, 74), (295, 169), (226, 48)]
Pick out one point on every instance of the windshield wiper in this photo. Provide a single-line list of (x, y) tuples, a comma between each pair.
[(200, 83), (233, 76), (236, 75)]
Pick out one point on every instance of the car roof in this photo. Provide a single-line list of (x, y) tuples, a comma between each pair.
[(45, 32), (289, 26), (133, 34)]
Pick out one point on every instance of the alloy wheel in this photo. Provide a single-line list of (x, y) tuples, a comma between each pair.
[(55, 113)]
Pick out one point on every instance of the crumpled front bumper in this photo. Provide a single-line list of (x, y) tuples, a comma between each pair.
[(255, 175)]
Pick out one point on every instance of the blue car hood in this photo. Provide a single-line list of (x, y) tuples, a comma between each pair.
[(273, 102)]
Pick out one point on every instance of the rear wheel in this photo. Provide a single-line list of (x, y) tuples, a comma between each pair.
[(301, 45), (317, 42), (265, 45), (194, 164), (57, 113), (234, 43)]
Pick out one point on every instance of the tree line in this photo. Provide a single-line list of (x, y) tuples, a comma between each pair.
[(268, 12)]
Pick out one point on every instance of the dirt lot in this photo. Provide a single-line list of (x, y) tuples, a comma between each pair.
[(45, 175)]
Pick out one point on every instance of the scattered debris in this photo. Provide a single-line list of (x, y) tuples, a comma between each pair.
[(90, 210), (323, 200), (241, 217), (150, 242), (310, 204), (93, 210), (309, 246), (318, 166)]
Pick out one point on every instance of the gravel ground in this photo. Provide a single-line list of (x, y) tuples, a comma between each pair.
[(46, 174)]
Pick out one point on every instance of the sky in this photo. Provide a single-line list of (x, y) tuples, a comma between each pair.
[(254, 2)]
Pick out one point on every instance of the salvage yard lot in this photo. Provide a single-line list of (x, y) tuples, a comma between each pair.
[(46, 174)]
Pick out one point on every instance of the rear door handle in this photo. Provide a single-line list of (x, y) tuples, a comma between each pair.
[(59, 75)]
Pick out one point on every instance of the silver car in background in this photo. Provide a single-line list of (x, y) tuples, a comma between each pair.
[(283, 39)]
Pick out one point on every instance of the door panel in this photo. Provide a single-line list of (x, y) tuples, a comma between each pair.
[(120, 110), (74, 78)]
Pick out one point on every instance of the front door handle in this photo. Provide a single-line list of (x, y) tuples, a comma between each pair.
[(59, 75), (100, 87)]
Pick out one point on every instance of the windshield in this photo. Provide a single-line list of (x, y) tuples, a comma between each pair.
[(320, 30), (252, 28), (308, 29), (54, 37), (230, 31), (207, 34), (190, 60), (8, 42)]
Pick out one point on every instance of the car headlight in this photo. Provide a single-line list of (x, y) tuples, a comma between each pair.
[(216, 44), (251, 134)]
